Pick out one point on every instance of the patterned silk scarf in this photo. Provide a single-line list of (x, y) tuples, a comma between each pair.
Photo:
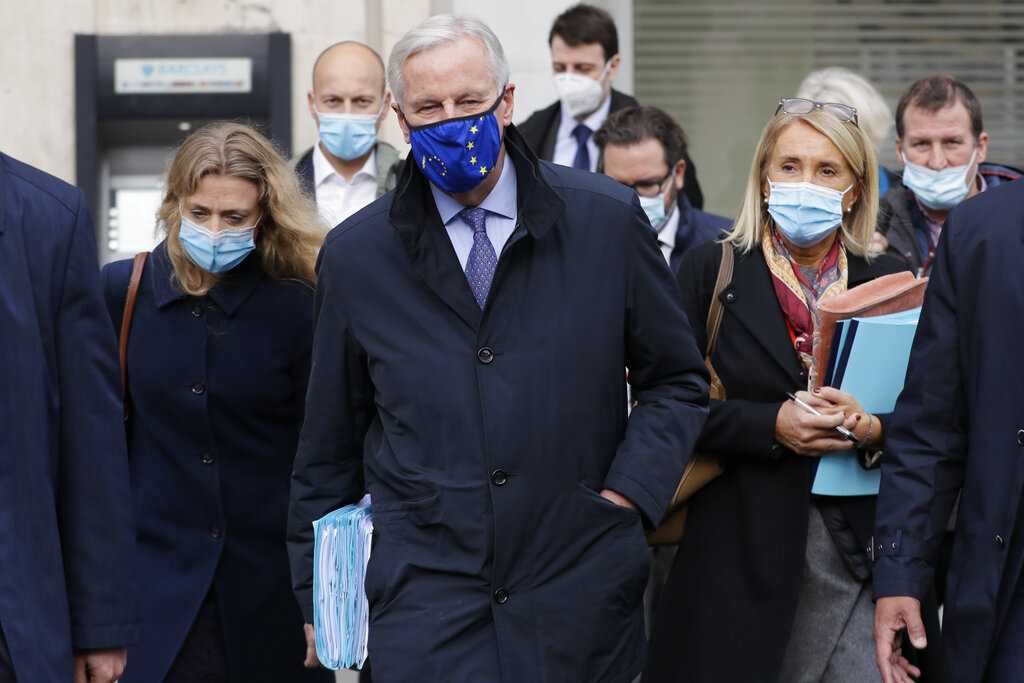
[(799, 299)]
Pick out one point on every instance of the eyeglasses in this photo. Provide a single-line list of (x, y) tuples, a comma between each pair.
[(648, 188), (800, 106)]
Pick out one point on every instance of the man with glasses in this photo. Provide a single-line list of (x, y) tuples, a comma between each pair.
[(942, 145), (585, 59), (643, 148)]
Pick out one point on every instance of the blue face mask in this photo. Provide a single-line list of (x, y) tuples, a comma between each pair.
[(216, 252), (805, 213), (457, 154), (654, 207), (348, 136), (939, 190)]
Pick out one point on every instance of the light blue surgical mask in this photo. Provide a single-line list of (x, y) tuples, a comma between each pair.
[(939, 190), (805, 213), (216, 252), (654, 207), (348, 136)]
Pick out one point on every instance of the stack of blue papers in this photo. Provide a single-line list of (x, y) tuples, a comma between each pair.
[(868, 360), (340, 611)]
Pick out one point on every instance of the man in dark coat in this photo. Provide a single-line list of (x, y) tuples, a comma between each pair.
[(643, 148), (585, 60), (942, 143), (468, 371), (67, 601), (958, 429)]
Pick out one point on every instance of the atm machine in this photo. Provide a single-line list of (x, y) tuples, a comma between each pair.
[(137, 97)]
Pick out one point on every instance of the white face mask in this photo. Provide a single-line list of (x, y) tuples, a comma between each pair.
[(581, 95)]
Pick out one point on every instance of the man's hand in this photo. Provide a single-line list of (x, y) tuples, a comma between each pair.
[(618, 499), (892, 615), (100, 666), (878, 243), (311, 659)]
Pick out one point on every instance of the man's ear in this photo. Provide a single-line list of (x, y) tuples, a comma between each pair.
[(401, 122), (679, 174), (384, 109)]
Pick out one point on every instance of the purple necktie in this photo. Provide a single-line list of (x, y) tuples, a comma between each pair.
[(582, 160), (482, 261)]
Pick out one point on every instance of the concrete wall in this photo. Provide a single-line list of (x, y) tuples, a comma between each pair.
[(37, 38)]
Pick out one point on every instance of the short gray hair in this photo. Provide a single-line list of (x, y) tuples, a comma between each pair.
[(836, 84), (438, 30)]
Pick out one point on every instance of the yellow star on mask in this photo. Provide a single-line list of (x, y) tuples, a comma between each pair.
[(483, 170), (473, 129), (469, 146), (424, 161), (472, 160)]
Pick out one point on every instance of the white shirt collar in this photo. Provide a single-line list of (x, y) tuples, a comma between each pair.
[(593, 121), (322, 169)]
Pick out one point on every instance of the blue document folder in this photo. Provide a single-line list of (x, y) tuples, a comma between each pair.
[(870, 364), (340, 611)]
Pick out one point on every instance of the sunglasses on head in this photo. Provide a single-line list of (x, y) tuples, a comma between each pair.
[(800, 106)]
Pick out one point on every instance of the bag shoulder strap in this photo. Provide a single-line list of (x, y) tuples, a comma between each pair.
[(126, 323), (716, 311)]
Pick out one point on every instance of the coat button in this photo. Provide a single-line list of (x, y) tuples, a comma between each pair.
[(197, 309), (216, 531), (208, 458), (1000, 543), (501, 596), (485, 355), (499, 477), (198, 387), (1020, 437), (730, 297)]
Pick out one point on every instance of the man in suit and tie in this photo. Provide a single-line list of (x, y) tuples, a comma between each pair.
[(585, 60), (67, 602)]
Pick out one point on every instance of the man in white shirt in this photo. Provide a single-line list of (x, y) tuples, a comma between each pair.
[(349, 167)]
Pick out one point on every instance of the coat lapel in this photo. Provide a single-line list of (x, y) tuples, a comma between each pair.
[(750, 297)]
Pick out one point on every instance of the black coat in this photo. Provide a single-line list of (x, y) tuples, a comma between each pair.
[(541, 129), (485, 436), (730, 600), (958, 425), (217, 384), (66, 538)]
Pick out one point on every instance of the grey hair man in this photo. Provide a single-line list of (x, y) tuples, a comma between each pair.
[(472, 329)]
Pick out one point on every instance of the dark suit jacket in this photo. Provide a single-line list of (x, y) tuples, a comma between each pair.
[(695, 228), (484, 437), (217, 386), (66, 538), (730, 600), (958, 426), (541, 130)]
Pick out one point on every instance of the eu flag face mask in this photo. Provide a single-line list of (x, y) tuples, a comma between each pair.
[(805, 213), (939, 190), (458, 154), (348, 136), (216, 252)]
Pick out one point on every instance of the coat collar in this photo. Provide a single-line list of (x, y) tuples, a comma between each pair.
[(751, 298), (413, 214), (228, 294)]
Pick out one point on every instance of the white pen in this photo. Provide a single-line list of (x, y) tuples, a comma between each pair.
[(839, 428)]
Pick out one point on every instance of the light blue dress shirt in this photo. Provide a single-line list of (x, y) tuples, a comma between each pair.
[(501, 209)]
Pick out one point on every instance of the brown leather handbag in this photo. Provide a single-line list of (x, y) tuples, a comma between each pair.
[(126, 323), (702, 467)]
